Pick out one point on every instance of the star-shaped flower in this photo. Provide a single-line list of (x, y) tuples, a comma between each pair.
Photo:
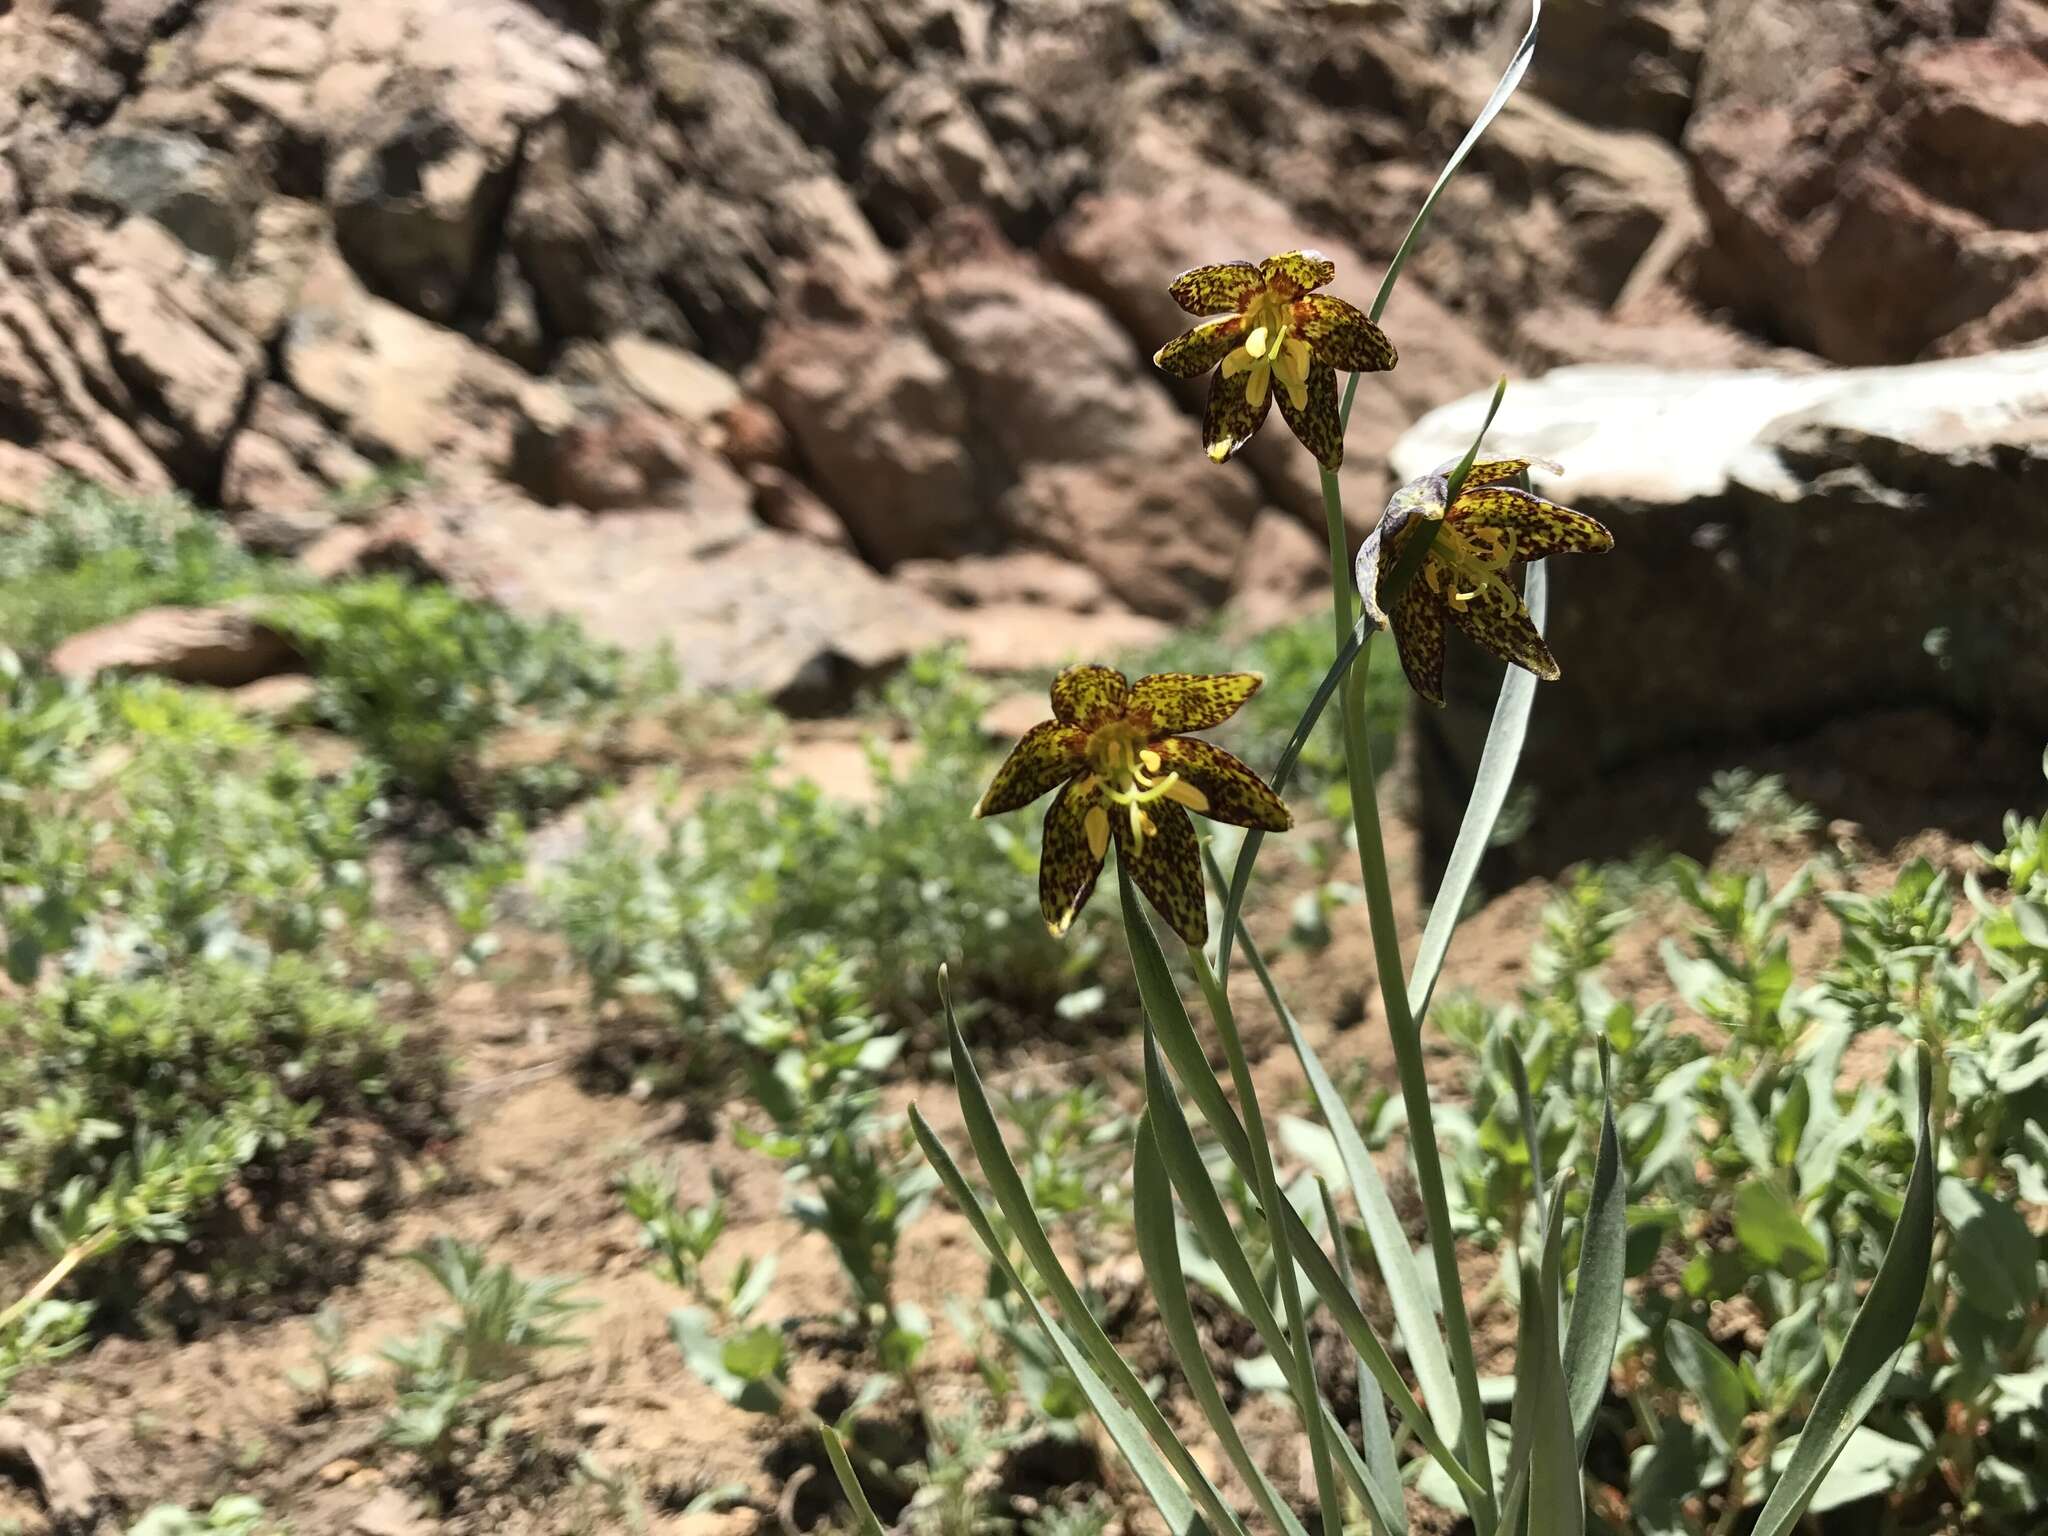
[(1278, 329), (1115, 751), (1467, 576)]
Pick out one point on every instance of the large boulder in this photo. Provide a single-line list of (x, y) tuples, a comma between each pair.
[(1870, 192), (992, 407), (1790, 549)]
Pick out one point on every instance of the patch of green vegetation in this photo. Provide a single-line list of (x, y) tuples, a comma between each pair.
[(1764, 1162), (423, 676), (87, 556), (690, 916), (186, 924)]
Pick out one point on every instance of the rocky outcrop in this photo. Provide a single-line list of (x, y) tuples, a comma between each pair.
[(1790, 549), (900, 269), (1867, 176)]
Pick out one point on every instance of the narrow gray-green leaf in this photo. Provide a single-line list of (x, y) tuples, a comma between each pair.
[(1192, 1070), (1557, 1499), (856, 1497), (1511, 77), (1525, 1110), (1008, 1187), (1883, 1324), (1415, 1311), (1130, 1438), (1159, 1251), (1182, 1162), (1380, 1457), (1603, 1263)]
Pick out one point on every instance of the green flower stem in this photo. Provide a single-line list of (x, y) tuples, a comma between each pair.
[(1401, 1025), (1302, 1370)]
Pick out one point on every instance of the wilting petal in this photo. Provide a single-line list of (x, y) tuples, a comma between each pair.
[(1231, 419), (1071, 857), (1500, 471), (1191, 701), (1342, 336), (1377, 556), (1303, 271), (1087, 694), (1498, 622), (1230, 790), (1212, 290), (1047, 754), (1315, 420), (1540, 527), (1167, 866), (1419, 637), (1193, 353)]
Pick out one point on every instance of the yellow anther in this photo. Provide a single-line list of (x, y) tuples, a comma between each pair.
[(1255, 343), (1150, 759), (1096, 824)]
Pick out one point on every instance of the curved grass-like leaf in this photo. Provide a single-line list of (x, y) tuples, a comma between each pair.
[(1883, 1325), (1415, 1311), (1525, 1110), (1182, 1162), (1542, 1471), (1015, 1201), (1177, 1042), (1159, 1251), (1510, 78), (1383, 1466), (1166, 1493), (1597, 1299), (1490, 786), (864, 1519)]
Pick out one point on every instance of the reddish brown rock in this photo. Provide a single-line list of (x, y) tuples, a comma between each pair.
[(1886, 208), (222, 647)]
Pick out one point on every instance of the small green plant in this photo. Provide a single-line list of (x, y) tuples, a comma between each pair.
[(1740, 799), (504, 1322), (423, 676), (332, 1366), (814, 1060), (473, 887)]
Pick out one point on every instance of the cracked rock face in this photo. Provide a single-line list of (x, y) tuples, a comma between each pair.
[(902, 266)]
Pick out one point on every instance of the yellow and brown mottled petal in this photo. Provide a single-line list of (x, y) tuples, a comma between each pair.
[(1540, 527), (1167, 865), (1230, 790), (1193, 353), (1086, 695), (1212, 290), (1172, 702), (1315, 420), (1071, 857), (1231, 419), (1298, 272), (1498, 622), (1048, 753), (1419, 637), (1501, 471), (1341, 335)]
